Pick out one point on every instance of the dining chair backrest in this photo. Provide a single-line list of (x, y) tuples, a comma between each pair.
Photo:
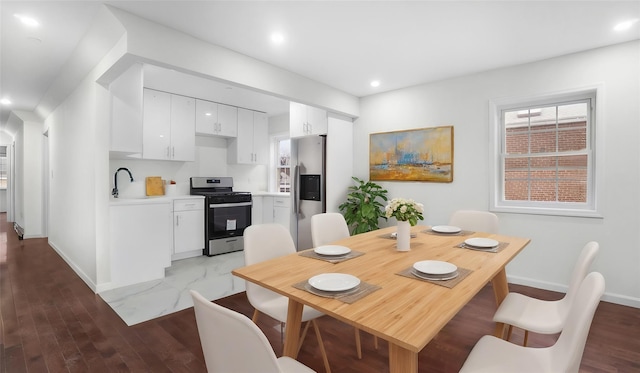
[(264, 242), (472, 220), (231, 342), (328, 227), (580, 271), (566, 353)]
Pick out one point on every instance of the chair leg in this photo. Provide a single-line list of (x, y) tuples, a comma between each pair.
[(509, 332), (322, 350), (375, 341), (358, 345), (526, 338), (255, 316)]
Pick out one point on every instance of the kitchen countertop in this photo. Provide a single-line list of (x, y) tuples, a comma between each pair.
[(149, 199), (270, 194)]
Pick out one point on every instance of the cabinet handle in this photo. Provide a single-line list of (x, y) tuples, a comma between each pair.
[(177, 220), (173, 152)]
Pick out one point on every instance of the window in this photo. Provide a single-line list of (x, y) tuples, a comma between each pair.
[(545, 155), (3, 167), (282, 164)]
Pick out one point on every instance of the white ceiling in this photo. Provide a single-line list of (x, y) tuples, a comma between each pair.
[(343, 44)]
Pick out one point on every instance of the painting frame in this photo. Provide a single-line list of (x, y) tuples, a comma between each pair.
[(421, 154)]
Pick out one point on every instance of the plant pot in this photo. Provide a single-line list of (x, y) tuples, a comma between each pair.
[(403, 236)]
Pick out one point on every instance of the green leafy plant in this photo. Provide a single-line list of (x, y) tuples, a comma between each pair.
[(363, 207)]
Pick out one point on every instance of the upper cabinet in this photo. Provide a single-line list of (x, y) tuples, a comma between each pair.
[(307, 120), (252, 144), (168, 126), (126, 113), (216, 119)]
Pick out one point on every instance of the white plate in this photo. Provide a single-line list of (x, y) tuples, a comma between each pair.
[(434, 278), (334, 282), (332, 250), (434, 267), (446, 229), (481, 242)]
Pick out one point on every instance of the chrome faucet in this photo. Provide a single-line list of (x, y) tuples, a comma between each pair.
[(114, 192)]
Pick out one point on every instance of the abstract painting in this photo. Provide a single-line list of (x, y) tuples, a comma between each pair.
[(424, 154)]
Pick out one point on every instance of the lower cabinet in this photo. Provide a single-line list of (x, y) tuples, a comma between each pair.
[(140, 242), (276, 210), (188, 228)]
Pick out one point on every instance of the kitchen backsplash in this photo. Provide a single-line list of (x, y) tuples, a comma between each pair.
[(210, 160)]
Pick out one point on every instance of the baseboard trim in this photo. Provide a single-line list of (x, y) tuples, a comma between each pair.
[(620, 299), (83, 276)]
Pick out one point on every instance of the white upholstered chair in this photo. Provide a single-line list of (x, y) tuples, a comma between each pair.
[(326, 228), (494, 355), (541, 316), (232, 343), (472, 220), (267, 241)]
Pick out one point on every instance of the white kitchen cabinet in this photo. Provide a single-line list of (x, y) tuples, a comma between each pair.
[(126, 113), (168, 126), (307, 120), (140, 243), (257, 209), (216, 119), (281, 211), (276, 210), (252, 144), (188, 227)]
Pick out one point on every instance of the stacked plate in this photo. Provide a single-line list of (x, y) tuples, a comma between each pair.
[(332, 250), (334, 282), (480, 243), (446, 229), (434, 270)]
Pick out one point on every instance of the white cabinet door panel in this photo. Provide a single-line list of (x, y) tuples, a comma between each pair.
[(156, 123)]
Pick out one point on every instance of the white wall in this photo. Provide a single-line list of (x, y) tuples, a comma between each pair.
[(556, 241), (339, 171)]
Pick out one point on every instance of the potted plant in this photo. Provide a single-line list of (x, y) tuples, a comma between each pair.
[(363, 207)]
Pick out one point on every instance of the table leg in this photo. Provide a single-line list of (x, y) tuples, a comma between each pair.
[(292, 329), (402, 360), (500, 290)]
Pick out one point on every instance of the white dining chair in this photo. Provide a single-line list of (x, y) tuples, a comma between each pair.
[(267, 241), (473, 220), (232, 343), (326, 228), (541, 316), (495, 355)]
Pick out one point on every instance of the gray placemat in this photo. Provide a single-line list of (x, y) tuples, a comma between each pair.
[(331, 259), (500, 247), (349, 296), (389, 236), (462, 273), (461, 233)]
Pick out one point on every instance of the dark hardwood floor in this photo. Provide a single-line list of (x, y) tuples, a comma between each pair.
[(50, 321)]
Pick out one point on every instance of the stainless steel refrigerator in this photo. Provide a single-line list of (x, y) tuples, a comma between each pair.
[(308, 186)]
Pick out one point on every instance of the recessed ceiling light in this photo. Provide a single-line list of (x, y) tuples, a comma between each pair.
[(207, 114), (27, 21), (375, 83), (623, 26), (5, 101), (277, 38)]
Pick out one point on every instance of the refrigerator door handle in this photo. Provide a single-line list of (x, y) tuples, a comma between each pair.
[(296, 190)]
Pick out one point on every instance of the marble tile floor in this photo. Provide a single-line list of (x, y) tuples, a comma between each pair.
[(210, 276)]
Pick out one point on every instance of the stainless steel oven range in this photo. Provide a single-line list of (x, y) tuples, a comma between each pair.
[(227, 214)]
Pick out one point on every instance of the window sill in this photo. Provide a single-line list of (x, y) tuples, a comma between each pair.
[(548, 211)]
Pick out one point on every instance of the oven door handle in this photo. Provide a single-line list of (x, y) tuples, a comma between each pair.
[(239, 204)]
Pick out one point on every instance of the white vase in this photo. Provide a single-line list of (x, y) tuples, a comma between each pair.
[(403, 236)]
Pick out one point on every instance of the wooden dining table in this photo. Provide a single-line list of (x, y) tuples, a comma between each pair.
[(406, 312)]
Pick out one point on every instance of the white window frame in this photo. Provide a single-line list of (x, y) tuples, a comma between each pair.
[(274, 160), (595, 137)]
